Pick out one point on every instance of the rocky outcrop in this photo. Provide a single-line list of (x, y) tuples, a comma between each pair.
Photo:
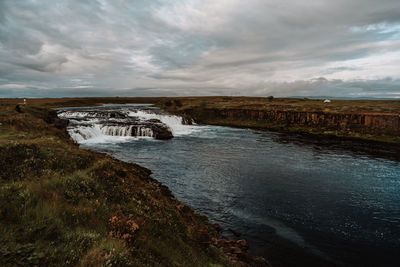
[(237, 251), (52, 119), (91, 123), (347, 124), (160, 130), (187, 121)]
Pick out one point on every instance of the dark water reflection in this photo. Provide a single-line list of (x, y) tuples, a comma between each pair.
[(289, 195), (353, 146)]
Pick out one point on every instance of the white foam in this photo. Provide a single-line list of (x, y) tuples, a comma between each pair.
[(91, 129), (98, 133), (75, 114), (172, 121)]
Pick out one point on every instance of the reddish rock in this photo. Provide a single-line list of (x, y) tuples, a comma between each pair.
[(242, 243), (236, 250), (361, 123), (217, 227)]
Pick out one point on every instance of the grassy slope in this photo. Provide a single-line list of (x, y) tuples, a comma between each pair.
[(61, 205)]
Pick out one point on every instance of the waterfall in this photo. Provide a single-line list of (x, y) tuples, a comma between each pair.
[(99, 133), (172, 121), (117, 130), (127, 131), (145, 132), (82, 133), (115, 124)]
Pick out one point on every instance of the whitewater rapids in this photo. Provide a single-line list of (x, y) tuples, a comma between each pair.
[(120, 123)]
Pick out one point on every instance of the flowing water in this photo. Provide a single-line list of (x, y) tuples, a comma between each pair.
[(291, 197)]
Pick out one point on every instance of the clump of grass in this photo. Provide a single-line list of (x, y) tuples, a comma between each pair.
[(108, 252), (79, 186)]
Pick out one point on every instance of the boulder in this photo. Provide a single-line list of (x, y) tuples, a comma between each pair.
[(236, 250), (161, 132), (187, 121)]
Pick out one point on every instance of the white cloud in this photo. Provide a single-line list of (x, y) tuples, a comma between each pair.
[(13, 85), (256, 47)]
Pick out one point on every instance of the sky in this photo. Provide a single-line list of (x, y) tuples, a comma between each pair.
[(341, 48)]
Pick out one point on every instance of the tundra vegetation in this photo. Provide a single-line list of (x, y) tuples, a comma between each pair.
[(62, 205)]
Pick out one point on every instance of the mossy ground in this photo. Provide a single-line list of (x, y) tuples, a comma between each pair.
[(57, 201)]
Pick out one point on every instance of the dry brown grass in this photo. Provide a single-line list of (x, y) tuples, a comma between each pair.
[(220, 102)]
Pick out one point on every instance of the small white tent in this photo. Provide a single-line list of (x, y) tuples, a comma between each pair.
[(327, 101)]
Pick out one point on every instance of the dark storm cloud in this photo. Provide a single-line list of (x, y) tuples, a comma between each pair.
[(231, 47)]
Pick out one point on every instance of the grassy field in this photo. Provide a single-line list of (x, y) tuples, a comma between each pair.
[(222, 102), (65, 206), (284, 104)]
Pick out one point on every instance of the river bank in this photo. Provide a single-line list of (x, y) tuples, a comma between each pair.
[(64, 205), (369, 120)]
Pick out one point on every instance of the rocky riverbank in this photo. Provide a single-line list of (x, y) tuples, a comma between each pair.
[(382, 125)]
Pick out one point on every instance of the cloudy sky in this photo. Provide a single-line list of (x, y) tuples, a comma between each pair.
[(338, 48)]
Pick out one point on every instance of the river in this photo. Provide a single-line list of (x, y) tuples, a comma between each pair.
[(295, 199)]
